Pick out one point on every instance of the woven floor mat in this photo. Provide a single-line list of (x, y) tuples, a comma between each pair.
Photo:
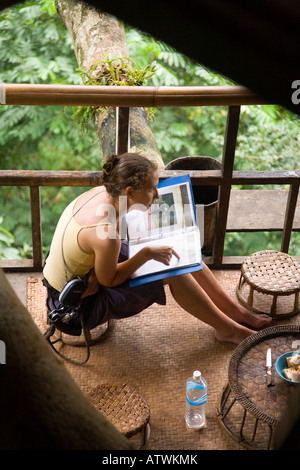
[(155, 352)]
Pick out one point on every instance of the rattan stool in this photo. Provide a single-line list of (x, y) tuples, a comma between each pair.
[(124, 407), (272, 273)]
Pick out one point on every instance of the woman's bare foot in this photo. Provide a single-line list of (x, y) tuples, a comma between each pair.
[(236, 335), (227, 303), (245, 317)]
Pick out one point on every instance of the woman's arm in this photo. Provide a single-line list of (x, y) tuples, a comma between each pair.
[(110, 273)]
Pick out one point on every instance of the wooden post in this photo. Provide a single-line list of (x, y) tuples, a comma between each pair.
[(36, 224), (225, 187), (122, 130), (289, 217)]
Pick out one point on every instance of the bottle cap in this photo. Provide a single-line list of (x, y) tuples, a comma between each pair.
[(197, 374)]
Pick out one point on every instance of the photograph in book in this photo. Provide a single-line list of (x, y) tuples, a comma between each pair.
[(171, 221)]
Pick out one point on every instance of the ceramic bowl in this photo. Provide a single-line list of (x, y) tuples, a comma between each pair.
[(282, 364)]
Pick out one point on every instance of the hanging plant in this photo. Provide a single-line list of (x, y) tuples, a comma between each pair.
[(119, 71)]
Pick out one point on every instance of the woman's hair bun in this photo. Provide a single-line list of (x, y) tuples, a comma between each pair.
[(109, 165), (128, 169)]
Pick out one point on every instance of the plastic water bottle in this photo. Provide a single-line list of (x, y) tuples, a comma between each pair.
[(196, 394)]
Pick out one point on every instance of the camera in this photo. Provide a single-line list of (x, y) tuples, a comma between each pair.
[(70, 296)]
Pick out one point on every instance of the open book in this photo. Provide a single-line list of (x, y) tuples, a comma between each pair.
[(171, 221)]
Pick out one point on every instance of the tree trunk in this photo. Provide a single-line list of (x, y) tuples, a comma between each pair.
[(41, 407), (95, 36)]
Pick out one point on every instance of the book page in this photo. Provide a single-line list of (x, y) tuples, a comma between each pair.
[(186, 244), (171, 221), (173, 212)]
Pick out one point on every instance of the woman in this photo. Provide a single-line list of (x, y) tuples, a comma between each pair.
[(88, 238)]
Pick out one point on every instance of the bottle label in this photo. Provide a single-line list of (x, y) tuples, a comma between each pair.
[(196, 401)]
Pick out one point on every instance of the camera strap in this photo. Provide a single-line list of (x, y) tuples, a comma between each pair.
[(64, 314), (63, 235)]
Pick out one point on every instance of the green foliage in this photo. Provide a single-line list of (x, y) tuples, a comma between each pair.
[(201, 128), (7, 251), (35, 47), (269, 138), (118, 71)]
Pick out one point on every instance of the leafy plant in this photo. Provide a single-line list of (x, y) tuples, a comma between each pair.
[(7, 251), (118, 71)]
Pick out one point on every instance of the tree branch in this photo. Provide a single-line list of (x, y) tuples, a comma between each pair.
[(96, 36)]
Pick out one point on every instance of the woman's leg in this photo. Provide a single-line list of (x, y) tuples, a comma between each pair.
[(192, 298), (226, 303)]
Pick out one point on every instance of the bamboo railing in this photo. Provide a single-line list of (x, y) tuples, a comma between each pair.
[(128, 96), (123, 98)]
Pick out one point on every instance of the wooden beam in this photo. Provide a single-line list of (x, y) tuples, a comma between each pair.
[(93, 178), (49, 178), (265, 177), (256, 210), (128, 96), (17, 265), (35, 178), (225, 188), (228, 262)]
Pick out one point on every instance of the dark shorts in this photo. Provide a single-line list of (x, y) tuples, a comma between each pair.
[(118, 302)]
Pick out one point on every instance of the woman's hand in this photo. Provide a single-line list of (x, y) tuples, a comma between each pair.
[(163, 254), (92, 284)]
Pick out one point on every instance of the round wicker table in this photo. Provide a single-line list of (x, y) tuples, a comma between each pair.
[(249, 409), (124, 407), (273, 274)]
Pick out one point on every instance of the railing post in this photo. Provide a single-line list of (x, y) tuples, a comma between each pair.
[(36, 227), (289, 217), (122, 130), (232, 126)]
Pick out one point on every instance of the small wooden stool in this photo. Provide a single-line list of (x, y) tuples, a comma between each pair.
[(124, 407), (273, 273)]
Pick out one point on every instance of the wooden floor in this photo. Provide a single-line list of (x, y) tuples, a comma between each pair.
[(19, 282), (155, 352)]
